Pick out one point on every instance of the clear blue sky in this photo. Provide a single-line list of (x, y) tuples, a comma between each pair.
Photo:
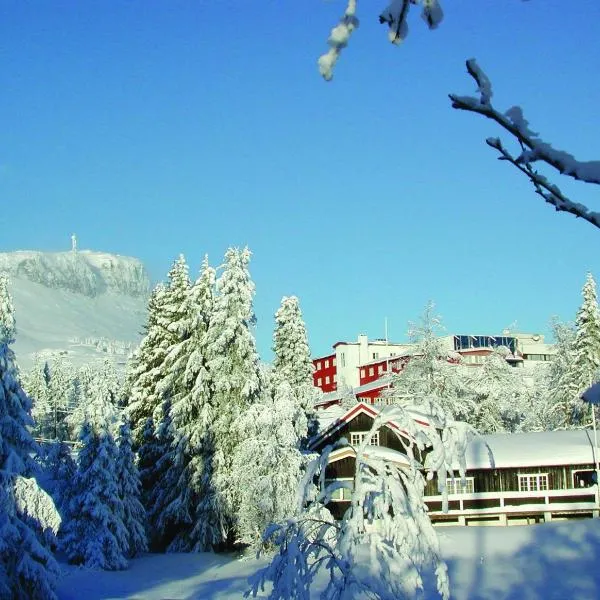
[(154, 127)]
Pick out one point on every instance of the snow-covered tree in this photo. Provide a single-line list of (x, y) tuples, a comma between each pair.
[(292, 362), (384, 547), (93, 533), (7, 312), (63, 396), (159, 480), (189, 385), (27, 569), (235, 374), (36, 384), (267, 463), (432, 371), (128, 480), (499, 395), (146, 368), (59, 471)]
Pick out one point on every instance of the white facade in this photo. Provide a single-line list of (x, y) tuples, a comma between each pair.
[(349, 356)]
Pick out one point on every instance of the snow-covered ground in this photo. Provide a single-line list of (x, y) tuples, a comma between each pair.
[(83, 307), (557, 560)]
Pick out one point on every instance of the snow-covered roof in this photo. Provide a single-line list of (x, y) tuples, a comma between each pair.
[(385, 359), (372, 385), (371, 451), (535, 449)]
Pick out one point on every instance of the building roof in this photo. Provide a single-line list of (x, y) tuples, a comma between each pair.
[(535, 449), (335, 417)]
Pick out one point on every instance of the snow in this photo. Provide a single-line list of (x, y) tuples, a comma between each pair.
[(54, 320), (551, 561), (534, 449)]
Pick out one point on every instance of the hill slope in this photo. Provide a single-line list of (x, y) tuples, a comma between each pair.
[(84, 305)]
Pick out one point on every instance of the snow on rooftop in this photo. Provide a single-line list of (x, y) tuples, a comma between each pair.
[(535, 449)]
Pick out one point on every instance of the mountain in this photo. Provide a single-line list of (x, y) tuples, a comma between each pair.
[(84, 305)]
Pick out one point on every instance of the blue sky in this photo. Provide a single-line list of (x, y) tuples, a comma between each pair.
[(153, 127)]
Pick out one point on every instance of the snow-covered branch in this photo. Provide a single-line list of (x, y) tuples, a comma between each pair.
[(395, 16), (533, 148)]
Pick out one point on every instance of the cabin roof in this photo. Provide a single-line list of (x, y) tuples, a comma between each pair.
[(335, 417), (534, 449)]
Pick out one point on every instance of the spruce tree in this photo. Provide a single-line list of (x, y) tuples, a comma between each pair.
[(584, 364), (27, 569), (189, 385), (147, 367), (93, 533), (7, 312), (235, 375), (35, 384), (128, 480), (292, 362)]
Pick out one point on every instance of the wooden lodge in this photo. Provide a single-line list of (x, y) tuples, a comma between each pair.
[(510, 478)]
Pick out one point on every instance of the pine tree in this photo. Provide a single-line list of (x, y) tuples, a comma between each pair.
[(235, 374), (292, 362), (128, 479), (268, 463), (93, 533), (27, 569)]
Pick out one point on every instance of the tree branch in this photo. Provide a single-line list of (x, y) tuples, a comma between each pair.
[(533, 149)]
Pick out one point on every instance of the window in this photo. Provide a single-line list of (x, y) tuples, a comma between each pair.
[(375, 355), (371, 371), (318, 365), (333, 362), (319, 381), (535, 482), (342, 359), (459, 486), (327, 379), (380, 369), (327, 363), (343, 493), (586, 478), (334, 378), (362, 372), (357, 437)]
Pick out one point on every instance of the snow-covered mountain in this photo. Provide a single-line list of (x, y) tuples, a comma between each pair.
[(81, 304)]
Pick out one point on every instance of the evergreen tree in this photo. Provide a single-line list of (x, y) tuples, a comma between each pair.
[(235, 374), (35, 383), (7, 312), (60, 470), (555, 399), (27, 569), (93, 533), (586, 348), (292, 362), (146, 368), (188, 383), (267, 463), (159, 481), (62, 392), (128, 479)]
